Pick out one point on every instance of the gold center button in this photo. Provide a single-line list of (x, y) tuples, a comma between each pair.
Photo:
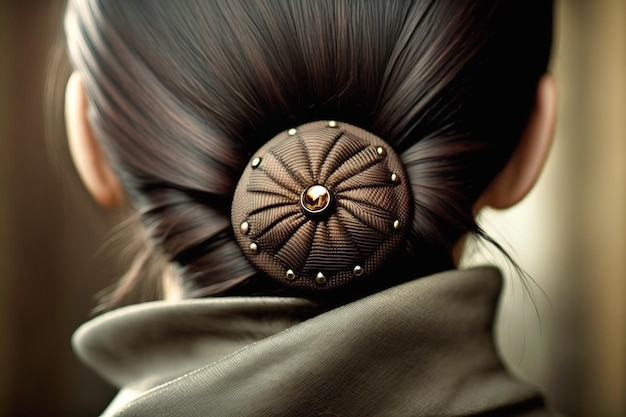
[(315, 199)]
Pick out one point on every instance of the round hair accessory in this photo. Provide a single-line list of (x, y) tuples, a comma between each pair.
[(328, 205)]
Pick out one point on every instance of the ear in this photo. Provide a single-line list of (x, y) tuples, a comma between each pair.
[(91, 163), (519, 175)]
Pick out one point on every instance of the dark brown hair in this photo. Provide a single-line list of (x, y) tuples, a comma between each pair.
[(182, 93)]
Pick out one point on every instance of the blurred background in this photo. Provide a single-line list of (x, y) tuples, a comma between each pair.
[(569, 234)]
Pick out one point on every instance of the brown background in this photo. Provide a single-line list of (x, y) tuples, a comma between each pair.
[(570, 234)]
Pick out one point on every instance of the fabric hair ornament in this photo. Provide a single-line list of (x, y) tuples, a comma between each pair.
[(322, 205)]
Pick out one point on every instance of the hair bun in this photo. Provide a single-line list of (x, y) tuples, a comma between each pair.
[(321, 205)]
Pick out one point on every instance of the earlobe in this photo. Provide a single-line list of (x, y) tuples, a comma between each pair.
[(88, 158), (520, 174)]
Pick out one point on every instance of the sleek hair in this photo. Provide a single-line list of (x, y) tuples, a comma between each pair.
[(182, 93)]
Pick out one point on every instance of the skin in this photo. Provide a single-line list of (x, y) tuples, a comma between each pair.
[(520, 174), (89, 160)]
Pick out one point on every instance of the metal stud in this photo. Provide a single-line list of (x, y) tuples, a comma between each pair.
[(245, 228), (332, 123), (256, 162), (357, 271), (396, 224), (381, 151), (254, 248), (320, 278), (292, 131), (315, 199), (290, 275), (394, 177)]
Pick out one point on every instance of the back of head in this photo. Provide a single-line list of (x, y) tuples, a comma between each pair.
[(182, 94)]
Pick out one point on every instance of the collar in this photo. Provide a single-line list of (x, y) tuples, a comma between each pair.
[(420, 348)]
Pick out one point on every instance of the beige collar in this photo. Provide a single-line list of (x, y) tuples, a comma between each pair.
[(420, 348)]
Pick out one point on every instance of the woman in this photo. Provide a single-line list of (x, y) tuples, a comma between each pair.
[(315, 167)]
